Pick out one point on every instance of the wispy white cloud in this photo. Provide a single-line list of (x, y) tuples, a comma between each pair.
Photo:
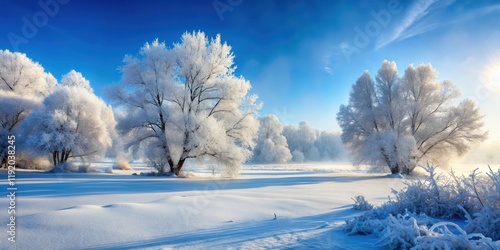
[(417, 11), (424, 16), (427, 26)]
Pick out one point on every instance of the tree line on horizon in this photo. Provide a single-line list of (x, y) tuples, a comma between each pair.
[(185, 102)]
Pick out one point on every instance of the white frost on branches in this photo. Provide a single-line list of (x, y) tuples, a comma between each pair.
[(21, 75), (405, 223), (186, 102), (272, 146), (308, 144), (23, 84), (399, 122), (71, 122), (76, 79)]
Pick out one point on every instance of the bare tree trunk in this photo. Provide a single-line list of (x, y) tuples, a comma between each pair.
[(55, 158), (169, 158), (66, 157), (63, 156), (60, 157), (395, 169), (179, 166), (171, 165)]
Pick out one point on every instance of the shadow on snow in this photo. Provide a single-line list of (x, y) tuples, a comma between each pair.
[(52, 185)]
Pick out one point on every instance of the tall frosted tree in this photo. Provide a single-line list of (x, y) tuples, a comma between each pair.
[(186, 102), (399, 122), (271, 145), (71, 122), (23, 85)]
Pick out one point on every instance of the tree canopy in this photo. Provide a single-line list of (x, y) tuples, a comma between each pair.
[(186, 102), (399, 122)]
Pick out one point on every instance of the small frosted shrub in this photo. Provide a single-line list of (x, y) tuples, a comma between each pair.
[(404, 222), (360, 203), (123, 165)]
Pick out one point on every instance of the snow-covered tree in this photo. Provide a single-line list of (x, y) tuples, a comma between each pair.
[(76, 79), (271, 144), (400, 122), (309, 144), (329, 146), (71, 122), (302, 139), (22, 76), (186, 102), (23, 84)]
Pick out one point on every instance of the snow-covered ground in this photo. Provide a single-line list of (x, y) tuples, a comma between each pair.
[(268, 206)]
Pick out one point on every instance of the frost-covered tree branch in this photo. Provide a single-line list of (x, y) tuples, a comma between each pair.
[(23, 85), (185, 102), (71, 122), (400, 122)]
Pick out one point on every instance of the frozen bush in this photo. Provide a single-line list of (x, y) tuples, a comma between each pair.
[(440, 236), (376, 220), (364, 224), (32, 162), (69, 167), (436, 195), (86, 168), (62, 168), (486, 222), (418, 232), (400, 231), (486, 215), (360, 203), (123, 165), (398, 225), (445, 196)]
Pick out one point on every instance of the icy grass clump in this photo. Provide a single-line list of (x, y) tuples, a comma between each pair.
[(377, 221), (487, 220), (448, 196), (62, 168), (434, 195), (440, 236), (411, 231), (123, 165), (401, 231), (360, 203), (405, 222), (32, 162)]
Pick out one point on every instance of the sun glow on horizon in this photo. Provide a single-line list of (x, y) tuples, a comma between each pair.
[(493, 75)]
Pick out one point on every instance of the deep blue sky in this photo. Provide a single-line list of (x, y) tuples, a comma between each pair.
[(301, 56)]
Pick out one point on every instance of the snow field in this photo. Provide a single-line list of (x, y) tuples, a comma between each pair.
[(123, 211)]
